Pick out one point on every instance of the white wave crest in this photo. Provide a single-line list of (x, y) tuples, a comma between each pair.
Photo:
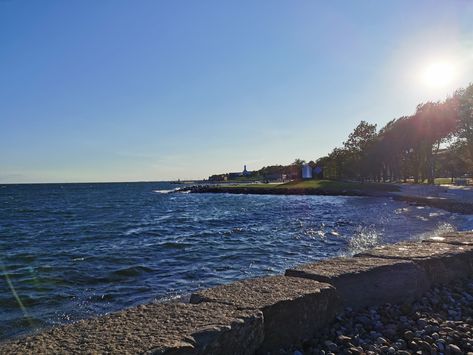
[(437, 232), (365, 238)]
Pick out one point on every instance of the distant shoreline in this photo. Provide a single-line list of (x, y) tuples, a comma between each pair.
[(339, 189), (273, 191), (301, 187)]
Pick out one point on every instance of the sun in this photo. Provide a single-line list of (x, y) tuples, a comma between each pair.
[(438, 74)]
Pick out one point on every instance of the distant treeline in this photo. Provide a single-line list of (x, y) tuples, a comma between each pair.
[(270, 173), (436, 141)]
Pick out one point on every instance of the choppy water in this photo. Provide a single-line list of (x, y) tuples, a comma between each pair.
[(76, 250)]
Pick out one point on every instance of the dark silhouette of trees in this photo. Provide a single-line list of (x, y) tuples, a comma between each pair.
[(409, 147), (465, 114), (358, 148)]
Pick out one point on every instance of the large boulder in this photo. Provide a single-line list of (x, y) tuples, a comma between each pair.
[(293, 308), (367, 281)]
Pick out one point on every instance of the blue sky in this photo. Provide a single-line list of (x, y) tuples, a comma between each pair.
[(155, 90)]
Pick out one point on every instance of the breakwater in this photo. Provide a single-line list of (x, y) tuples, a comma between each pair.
[(446, 204), (264, 314), (267, 190), (442, 203)]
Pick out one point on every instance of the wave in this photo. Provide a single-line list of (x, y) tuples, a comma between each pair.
[(132, 271), (437, 232), (166, 191), (365, 238)]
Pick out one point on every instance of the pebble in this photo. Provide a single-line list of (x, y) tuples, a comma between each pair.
[(440, 322), (455, 349), (408, 335)]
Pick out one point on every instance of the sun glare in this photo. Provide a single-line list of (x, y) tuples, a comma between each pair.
[(438, 74)]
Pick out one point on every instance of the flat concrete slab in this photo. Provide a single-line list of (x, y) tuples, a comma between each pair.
[(443, 262), (293, 308), (460, 238), (168, 328), (416, 251), (367, 281)]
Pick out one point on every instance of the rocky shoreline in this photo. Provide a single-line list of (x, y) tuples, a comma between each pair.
[(273, 191), (442, 203), (440, 322), (446, 204)]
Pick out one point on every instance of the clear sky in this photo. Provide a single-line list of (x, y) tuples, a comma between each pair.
[(154, 90)]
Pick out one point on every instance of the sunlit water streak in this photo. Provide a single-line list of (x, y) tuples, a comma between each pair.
[(76, 250)]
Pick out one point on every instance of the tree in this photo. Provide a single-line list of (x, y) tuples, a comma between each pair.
[(298, 162), (336, 164), (465, 113), (435, 122), (357, 146), (454, 161)]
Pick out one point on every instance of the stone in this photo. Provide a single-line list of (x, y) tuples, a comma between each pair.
[(458, 238), (163, 328), (408, 335), (344, 339), (425, 346), (355, 351), (293, 308), (442, 262), (331, 346), (413, 345), (367, 281), (422, 322), (381, 341), (454, 349)]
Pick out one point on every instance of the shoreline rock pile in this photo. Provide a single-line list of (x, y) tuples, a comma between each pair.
[(440, 322)]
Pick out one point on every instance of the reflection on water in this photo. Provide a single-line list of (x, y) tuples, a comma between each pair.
[(76, 250)]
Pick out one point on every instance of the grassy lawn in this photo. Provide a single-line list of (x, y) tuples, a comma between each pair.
[(338, 185), (325, 185), (437, 181), (442, 181), (259, 186)]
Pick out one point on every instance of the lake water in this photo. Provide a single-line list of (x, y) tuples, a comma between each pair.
[(72, 251)]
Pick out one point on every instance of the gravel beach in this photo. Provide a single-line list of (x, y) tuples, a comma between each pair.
[(441, 322)]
